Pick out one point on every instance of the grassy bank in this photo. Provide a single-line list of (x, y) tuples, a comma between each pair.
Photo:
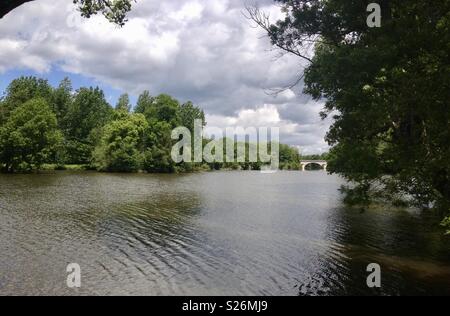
[(54, 167)]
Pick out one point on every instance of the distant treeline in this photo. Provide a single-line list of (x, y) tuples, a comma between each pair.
[(324, 156), (43, 126)]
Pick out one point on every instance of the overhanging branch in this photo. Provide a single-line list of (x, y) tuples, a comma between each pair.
[(7, 6)]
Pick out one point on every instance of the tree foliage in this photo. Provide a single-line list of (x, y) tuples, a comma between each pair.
[(144, 102), (82, 128), (189, 113), (88, 111), (387, 88), (124, 103), (86, 115), (114, 10), (164, 108), (159, 145), (29, 137), (62, 99), (289, 158), (22, 90), (122, 144)]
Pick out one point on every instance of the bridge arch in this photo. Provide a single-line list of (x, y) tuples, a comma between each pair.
[(322, 163)]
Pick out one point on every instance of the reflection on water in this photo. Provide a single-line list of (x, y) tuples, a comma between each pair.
[(223, 233)]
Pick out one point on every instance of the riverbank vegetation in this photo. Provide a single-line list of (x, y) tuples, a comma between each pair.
[(42, 127), (387, 89)]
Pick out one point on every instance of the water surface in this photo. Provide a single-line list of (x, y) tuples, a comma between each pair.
[(221, 233)]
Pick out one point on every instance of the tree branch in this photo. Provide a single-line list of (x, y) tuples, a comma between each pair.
[(262, 20), (7, 6)]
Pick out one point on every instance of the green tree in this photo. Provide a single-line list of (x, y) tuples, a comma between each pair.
[(122, 145), (289, 158), (387, 89), (114, 10), (159, 146), (144, 102), (123, 104), (164, 108), (29, 137), (162, 113), (22, 90), (88, 113), (188, 113), (62, 99)]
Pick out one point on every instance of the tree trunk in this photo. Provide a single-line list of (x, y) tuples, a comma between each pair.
[(7, 6)]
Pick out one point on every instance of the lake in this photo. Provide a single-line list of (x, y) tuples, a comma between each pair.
[(217, 233)]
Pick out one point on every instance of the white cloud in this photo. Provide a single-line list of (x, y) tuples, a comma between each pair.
[(200, 50), (305, 136), (189, 11)]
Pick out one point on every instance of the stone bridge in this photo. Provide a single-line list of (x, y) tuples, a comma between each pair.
[(321, 163)]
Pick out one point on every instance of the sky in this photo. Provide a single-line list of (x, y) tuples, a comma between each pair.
[(204, 51)]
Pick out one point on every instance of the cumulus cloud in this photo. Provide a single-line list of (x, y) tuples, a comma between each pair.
[(306, 136), (200, 50)]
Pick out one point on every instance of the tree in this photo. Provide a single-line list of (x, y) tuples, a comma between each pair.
[(144, 102), (89, 110), (114, 10), (163, 114), (129, 143), (29, 137), (22, 90), (124, 103), (164, 108), (122, 144), (157, 156), (189, 113), (88, 113), (289, 158), (62, 99), (387, 89)]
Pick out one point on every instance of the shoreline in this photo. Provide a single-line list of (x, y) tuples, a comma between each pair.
[(50, 169)]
